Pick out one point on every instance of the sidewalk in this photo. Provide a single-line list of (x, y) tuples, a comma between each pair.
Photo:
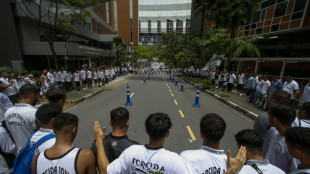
[(240, 103), (75, 96)]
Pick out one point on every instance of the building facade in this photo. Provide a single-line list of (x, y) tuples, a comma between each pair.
[(23, 45), (162, 16)]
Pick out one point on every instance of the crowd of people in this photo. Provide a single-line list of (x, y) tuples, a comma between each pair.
[(259, 87), (42, 139)]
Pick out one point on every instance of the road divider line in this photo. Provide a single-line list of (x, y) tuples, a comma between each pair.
[(132, 95), (181, 113), (169, 90), (175, 101), (172, 94), (191, 133)]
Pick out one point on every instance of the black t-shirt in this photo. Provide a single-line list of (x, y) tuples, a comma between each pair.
[(114, 146)]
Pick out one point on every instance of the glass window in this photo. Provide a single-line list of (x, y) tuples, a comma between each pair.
[(299, 5), (247, 27), (253, 26), (263, 15), (279, 1), (256, 16), (280, 9), (179, 26), (188, 25), (297, 15), (98, 28), (139, 26), (259, 31), (149, 25), (275, 27), (169, 25), (246, 33), (267, 3), (158, 27)]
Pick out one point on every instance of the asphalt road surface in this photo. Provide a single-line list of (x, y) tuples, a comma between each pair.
[(159, 94)]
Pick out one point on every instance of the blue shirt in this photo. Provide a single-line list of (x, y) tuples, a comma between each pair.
[(275, 85), (250, 82)]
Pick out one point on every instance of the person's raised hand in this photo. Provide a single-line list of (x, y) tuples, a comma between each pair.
[(235, 164), (99, 134)]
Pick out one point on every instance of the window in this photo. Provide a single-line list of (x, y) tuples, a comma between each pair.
[(247, 27), (299, 5), (131, 33), (267, 3), (188, 25), (263, 15), (256, 16), (280, 9), (246, 33), (149, 26), (279, 1), (253, 26), (259, 31), (179, 27), (297, 15), (158, 27), (275, 27), (169, 26), (139, 26), (98, 28)]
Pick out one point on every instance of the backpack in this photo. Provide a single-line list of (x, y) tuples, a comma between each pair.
[(22, 163)]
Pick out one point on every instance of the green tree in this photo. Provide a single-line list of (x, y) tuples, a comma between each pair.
[(54, 17), (119, 50)]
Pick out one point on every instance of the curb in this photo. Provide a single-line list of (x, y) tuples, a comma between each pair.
[(229, 103), (99, 91)]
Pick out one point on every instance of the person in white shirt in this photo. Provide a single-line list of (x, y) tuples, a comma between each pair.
[(31, 80), (17, 82), (45, 116), (62, 76), (44, 81), (96, 76), (57, 78), (303, 118), (264, 90), (9, 90), (68, 80), (89, 78), (62, 157), (84, 79), (51, 78), (292, 87), (5, 103), (231, 81), (77, 78), (280, 117), (8, 150), (305, 96), (20, 119), (255, 164), (209, 158), (298, 143), (241, 82)]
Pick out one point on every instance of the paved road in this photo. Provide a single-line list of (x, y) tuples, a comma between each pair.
[(158, 95)]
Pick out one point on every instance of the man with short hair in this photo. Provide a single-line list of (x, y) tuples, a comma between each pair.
[(280, 117), (62, 156), (45, 115), (56, 95), (57, 78), (303, 118), (51, 78), (292, 87), (9, 90), (264, 90), (209, 157), (298, 143), (255, 161), (20, 119), (241, 82), (117, 141), (231, 81)]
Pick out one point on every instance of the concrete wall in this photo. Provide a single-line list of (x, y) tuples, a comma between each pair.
[(9, 45)]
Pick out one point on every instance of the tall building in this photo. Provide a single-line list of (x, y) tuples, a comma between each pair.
[(23, 46), (162, 16)]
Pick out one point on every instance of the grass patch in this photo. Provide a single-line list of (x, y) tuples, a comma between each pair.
[(224, 95)]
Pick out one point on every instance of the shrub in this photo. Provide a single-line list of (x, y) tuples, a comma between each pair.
[(6, 69), (206, 84), (36, 73)]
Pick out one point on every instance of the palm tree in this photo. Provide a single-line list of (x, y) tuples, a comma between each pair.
[(242, 47)]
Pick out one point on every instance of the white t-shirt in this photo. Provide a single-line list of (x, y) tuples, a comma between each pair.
[(264, 166), (297, 171), (89, 74), (265, 87), (50, 76), (301, 123), (20, 120), (290, 87), (205, 160), (76, 77), (259, 86), (40, 134), (68, 77), (57, 76), (278, 154), (62, 76), (83, 74), (305, 96), (232, 78), (240, 79), (139, 159), (5, 104), (10, 90)]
